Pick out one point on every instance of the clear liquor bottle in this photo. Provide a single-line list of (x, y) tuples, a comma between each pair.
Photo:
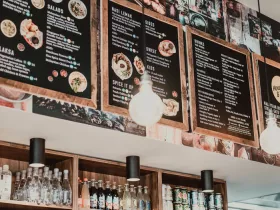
[(80, 186), (22, 193), (56, 189), (93, 195), (16, 187), (60, 177), (6, 183), (34, 189), (140, 199), (147, 199), (108, 197), (50, 176), (85, 195), (120, 194), (46, 188), (126, 198), (115, 196), (66, 190), (100, 196), (41, 175), (133, 198)]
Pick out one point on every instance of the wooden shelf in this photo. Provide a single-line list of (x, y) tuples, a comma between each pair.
[(10, 204)]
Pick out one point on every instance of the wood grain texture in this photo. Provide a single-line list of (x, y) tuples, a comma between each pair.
[(26, 88), (105, 70), (193, 99)]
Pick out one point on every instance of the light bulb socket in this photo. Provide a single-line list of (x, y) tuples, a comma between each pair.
[(207, 181), (37, 152), (133, 168)]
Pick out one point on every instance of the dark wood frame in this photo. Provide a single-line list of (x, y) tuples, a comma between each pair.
[(195, 128), (32, 89), (105, 67), (256, 59)]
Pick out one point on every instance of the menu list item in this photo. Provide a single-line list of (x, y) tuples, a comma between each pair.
[(221, 89), (47, 44), (267, 86), (125, 64)]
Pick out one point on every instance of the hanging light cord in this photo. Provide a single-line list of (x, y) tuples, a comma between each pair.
[(144, 38)]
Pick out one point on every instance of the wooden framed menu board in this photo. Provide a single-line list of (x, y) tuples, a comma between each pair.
[(221, 89), (49, 48), (123, 59), (267, 81)]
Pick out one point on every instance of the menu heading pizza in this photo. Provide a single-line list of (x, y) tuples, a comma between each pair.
[(126, 59), (222, 90), (46, 43)]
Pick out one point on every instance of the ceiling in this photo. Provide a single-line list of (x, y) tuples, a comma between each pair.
[(246, 179), (268, 7)]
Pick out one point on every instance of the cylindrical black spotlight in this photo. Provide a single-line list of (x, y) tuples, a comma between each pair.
[(37, 152), (133, 168), (207, 181)]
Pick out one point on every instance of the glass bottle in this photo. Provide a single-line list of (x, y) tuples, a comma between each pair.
[(108, 197), (147, 199), (41, 175), (100, 195), (93, 195), (6, 183), (126, 198), (16, 187), (22, 193), (56, 189), (66, 190), (120, 194), (34, 188), (133, 198), (60, 177), (80, 186), (115, 196), (85, 195), (140, 199), (50, 176), (46, 188)]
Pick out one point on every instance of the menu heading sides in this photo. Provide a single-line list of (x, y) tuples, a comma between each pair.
[(123, 60), (220, 78)]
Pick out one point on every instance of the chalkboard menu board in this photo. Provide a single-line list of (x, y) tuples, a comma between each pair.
[(267, 86), (123, 59), (221, 89), (45, 48)]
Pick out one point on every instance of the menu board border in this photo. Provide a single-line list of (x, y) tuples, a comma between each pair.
[(40, 91), (191, 31), (256, 59), (105, 67)]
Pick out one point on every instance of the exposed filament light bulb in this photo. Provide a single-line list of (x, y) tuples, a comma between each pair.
[(146, 107)]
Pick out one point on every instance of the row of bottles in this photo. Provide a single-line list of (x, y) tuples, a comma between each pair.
[(36, 185), (92, 195)]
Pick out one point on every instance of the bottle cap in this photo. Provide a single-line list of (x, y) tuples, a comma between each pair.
[(65, 171), (56, 170), (46, 169), (17, 173), (5, 167), (85, 179), (29, 169), (60, 173), (23, 171), (92, 180)]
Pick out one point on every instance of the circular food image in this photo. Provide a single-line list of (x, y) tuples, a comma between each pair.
[(39, 4), (31, 33), (54, 73), (171, 107), (122, 66), (21, 47), (8, 28), (77, 81), (50, 78), (166, 48), (139, 65), (63, 73), (77, 8)]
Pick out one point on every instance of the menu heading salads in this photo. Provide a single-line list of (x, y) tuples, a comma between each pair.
[(42, 43), (221, 87), (123, 60)]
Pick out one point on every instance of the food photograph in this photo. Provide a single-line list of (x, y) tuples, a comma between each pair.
[(31, 33), (122, 66), (155, 5)]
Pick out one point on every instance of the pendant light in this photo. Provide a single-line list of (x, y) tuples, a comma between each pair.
[(146, 107), (207, 181), (37, 152), (133, 168), (270, 137)]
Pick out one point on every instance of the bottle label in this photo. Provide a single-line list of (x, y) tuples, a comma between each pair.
[(148, 205), (65, 197), (6, 187), (134, 203), (101, 202), (86, 203), (109, 202), (116, 202), (121, 203), (141, 205), (93, 201)]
